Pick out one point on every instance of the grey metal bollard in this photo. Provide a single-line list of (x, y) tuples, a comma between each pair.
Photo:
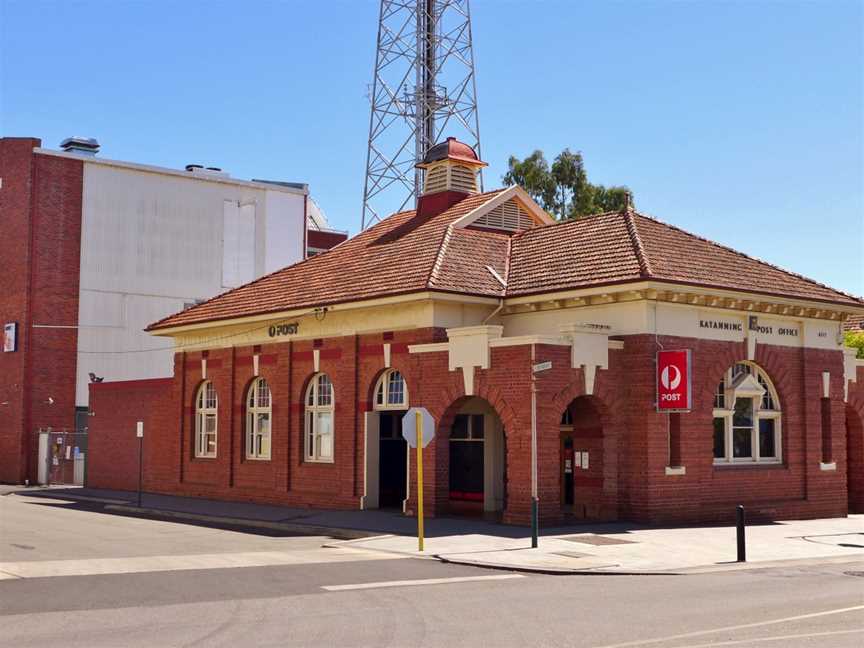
[(739, 524)]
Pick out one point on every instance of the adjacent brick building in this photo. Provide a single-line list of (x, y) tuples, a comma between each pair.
[(93, 250), (291, 389)]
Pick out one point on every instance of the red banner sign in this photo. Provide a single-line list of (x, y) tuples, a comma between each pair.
[(673, 381)]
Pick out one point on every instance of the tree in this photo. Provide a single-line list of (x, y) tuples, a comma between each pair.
[(563, 189), (855, 339)]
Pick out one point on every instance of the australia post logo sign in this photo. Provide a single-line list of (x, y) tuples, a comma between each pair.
[(673, 381)]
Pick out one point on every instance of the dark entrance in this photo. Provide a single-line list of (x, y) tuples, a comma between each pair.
[(392, 460), (466, 458)]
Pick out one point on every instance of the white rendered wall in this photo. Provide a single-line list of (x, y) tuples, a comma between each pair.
[(151, 243)]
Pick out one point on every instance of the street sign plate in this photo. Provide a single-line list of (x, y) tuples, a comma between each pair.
[(409, 426), (542, 366)]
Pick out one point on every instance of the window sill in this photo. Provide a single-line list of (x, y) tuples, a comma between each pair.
[(204, 457), (319, 462), (257, 459), (827, 466), (772, 465), (672, 471)]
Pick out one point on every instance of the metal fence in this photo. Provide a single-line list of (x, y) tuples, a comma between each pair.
[(62, 456)]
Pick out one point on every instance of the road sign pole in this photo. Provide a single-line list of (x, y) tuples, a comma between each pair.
[(535, 522), (419, 425)]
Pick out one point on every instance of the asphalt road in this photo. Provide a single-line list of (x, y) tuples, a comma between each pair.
[(75, 577)]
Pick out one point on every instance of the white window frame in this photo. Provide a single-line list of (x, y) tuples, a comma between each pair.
[(759, 414), (384, 396), (259, 406), (206, 409), (319, 403)]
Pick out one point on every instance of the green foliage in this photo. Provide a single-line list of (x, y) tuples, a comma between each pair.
[(855, 339), (563, 189)]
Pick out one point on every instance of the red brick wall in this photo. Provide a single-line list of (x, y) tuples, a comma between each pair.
[(627, 438), (40, 218), (324, 240), (115, 409), (855, 442)]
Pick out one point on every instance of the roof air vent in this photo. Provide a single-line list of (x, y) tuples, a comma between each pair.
[(80, 145)]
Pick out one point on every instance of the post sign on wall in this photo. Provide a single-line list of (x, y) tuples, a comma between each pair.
[(674, 393), (10, 337)]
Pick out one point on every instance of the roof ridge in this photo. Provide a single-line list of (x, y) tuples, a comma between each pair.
[(439, 256), (747, 256), (639, 249), (507, 263)]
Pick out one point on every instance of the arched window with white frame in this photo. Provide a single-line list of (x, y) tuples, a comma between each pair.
[(258, 417), (206, 420), (747, 417), (318, 420), (391, 391)]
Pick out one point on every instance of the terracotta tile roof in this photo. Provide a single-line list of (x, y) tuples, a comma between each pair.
[(572, 254), (854, 323), (406, 253), (628, 246)]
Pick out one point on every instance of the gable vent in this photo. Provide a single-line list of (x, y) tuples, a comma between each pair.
[(508, 216)]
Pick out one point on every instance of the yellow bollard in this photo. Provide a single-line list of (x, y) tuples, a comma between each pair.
[(419, 426)]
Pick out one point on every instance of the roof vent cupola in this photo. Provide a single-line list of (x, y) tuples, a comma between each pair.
[(451, 166), (451, 175)]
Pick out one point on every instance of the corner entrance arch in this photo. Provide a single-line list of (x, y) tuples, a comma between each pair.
[(477, 466)]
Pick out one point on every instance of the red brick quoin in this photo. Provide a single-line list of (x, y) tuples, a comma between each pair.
[(628, 441)]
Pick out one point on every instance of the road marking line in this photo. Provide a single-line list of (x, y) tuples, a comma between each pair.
[(777, 638), (140, 564), (700, 633), (420, 581)]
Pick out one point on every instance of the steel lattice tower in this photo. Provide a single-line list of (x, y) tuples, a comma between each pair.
[(423, 90)]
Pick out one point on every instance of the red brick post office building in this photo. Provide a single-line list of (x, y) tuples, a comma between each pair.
[(291, 389)]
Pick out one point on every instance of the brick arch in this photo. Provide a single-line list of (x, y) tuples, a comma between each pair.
[(605, 397), (768, 362), (717, 369), (454, 397), (445, 415)]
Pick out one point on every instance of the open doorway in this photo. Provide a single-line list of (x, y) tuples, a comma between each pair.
[(581, 459), (386, 467), (477, 460)]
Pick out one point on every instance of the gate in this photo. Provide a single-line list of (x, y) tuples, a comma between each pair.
[(62, 457)]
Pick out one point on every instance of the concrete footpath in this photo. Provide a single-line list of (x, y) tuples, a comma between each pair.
[(602, 548)]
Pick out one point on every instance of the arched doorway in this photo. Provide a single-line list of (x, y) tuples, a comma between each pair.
[(477, 460), (386, 469), (855, 460), (581, 459)]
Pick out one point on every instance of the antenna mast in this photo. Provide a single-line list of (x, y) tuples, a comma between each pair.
[(423, 88)]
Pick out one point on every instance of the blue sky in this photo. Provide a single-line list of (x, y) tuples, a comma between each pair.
[(739, 121)]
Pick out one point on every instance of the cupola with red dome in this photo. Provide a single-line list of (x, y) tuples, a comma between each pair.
[(451, 174)]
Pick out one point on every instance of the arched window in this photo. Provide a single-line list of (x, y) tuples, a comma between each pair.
[(258, 414), (747, 417), (391, 392), (206, 415), (319, 419)]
